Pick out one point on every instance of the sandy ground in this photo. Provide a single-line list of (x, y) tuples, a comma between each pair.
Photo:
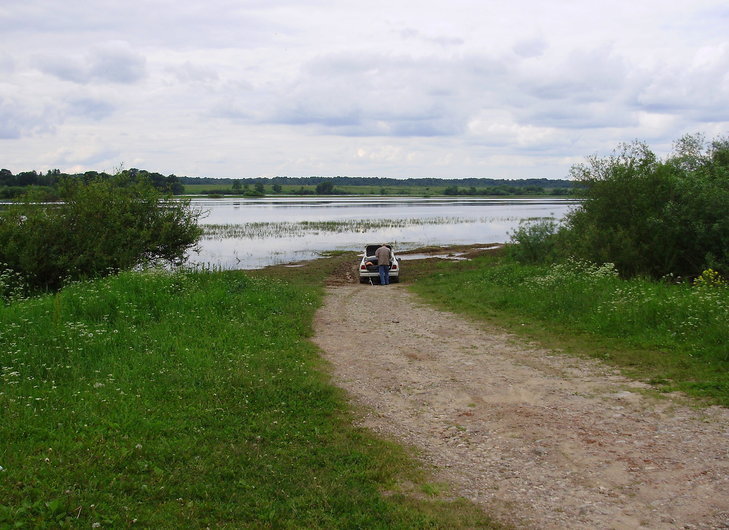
[(539, 439)]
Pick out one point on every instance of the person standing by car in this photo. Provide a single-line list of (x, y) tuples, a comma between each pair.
[(383, 255)]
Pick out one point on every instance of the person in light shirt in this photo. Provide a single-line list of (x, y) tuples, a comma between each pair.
[(383, 255)]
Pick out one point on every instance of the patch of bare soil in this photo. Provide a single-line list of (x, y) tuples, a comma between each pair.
[(539, 439)]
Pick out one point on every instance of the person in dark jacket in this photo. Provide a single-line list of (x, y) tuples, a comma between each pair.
[(383, 255)]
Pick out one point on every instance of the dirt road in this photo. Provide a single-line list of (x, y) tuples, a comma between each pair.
[(539, 439)]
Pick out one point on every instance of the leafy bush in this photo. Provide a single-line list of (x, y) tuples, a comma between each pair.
[(534, 242), (653, 217), (12, 284), (325, 188), (101, 226)]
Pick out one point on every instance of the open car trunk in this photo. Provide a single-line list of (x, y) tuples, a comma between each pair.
[(371, 249), (371, 261), (368, 270)]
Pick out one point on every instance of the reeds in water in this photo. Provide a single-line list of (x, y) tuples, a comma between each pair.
[(264, 230)]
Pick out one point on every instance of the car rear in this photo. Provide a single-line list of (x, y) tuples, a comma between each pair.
[(368, 268)]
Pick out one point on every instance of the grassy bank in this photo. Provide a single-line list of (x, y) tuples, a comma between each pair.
[(673, 335), (190, 400)]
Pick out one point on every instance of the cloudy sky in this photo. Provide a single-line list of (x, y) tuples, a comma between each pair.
[(397, 88)]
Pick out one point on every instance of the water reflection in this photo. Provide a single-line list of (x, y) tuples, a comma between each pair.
[(354, 223)]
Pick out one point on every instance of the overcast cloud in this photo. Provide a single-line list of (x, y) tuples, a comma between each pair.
[(399, 88)]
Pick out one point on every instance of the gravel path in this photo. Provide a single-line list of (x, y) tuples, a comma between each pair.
[(539, 439)]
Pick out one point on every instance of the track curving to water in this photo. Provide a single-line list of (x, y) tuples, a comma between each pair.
[(539, 439)]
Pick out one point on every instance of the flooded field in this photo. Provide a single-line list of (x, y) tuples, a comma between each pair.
[(254, 233)]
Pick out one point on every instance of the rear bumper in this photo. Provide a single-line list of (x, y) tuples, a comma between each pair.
[(376, 274), (372, 275)]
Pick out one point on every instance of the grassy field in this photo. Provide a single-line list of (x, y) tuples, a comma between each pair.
[(192, 400), (195, 399), (674, 335)]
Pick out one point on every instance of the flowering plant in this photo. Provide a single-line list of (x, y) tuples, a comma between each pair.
[(709, 278)]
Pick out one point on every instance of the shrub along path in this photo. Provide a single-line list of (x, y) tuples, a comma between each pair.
[(538, 438)]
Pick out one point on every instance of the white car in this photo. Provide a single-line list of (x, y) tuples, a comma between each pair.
[(368, 271)]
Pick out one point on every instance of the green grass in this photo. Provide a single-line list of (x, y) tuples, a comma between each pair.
[(191, 400), (673, 335)]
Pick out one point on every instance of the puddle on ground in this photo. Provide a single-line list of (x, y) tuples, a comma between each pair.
[(454, 256)]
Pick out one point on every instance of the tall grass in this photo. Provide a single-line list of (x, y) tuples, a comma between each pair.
[(187, 400), (274, 229), (674, 334)]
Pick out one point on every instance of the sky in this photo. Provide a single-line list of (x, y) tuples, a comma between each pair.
[(397, 88)]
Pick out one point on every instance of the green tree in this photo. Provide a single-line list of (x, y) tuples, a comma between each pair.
[(6, 177), (654, 217), (101, 227), (27, 178), (325, 188)]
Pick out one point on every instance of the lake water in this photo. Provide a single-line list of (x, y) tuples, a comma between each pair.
[(254, 233)]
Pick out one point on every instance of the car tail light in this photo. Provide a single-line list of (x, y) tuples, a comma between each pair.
[(394, 267), (363, 267)]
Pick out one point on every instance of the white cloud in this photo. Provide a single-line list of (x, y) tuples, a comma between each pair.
[(19, 119), (441, 41), (699, 89), (94, 154), (194, 72), (111, 62), (116, 62), (533, 47), (497, 128), (91, 108), (7, 63), (377, 88)]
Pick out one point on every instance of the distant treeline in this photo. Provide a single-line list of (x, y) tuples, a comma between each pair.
[(12, 186), (510, 189), (318, 185), (45, 185), (386, 181)]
